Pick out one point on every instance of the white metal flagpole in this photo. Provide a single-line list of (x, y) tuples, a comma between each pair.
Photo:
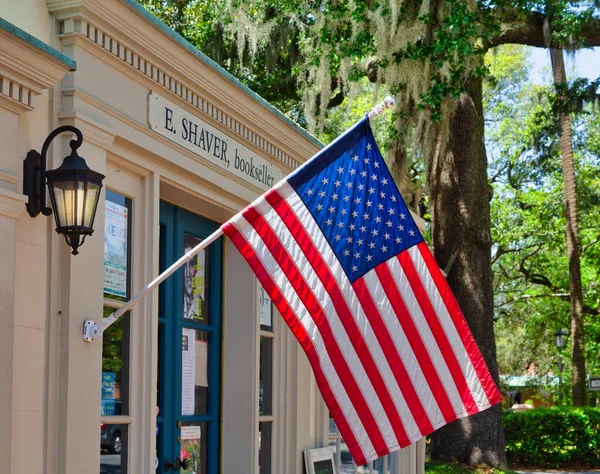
[(92, 331)]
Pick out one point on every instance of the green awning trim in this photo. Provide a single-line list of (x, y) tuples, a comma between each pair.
[(33, 41)]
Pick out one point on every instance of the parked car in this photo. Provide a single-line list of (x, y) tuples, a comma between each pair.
[(110, 438)]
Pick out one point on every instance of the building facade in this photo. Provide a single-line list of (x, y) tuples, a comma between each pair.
[(202, 375)]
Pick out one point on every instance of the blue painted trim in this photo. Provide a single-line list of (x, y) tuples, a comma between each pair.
[(227, 75), (33, 41)]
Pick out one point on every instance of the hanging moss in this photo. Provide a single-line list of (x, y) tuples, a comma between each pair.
[(422, 51)]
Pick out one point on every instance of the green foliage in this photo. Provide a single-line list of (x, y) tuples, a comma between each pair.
[(553, 437), (528, 218)]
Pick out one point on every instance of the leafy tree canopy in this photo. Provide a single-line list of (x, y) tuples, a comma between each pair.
[(528, 218)]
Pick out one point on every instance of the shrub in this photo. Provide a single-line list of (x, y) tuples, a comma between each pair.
[(553, 437)]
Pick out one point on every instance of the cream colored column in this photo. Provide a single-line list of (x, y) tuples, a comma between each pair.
[(29, 354), (12, 206), (240, 352), (76, 295)]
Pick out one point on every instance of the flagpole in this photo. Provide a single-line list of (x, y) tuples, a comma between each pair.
[(92, 331)]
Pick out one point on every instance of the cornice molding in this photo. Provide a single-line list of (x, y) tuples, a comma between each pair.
[(25, 71), (93, 132), (12, 204), (176, 73)]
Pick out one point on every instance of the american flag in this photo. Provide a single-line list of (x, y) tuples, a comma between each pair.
[(338, 252)]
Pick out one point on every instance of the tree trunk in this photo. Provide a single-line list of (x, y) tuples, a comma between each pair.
[(566, 151), (460, 217)]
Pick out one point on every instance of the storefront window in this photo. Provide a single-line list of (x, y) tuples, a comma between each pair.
[(114, 407), (115, 371), (265, 383)]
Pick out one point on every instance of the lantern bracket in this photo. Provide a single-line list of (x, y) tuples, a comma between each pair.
[(34, 171)]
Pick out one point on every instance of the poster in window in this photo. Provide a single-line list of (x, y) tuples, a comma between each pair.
[(115, 249), (188, 371), (201, 378), (191, 437), (194, 283)]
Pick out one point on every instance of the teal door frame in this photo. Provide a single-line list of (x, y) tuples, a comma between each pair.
[(174, 224)]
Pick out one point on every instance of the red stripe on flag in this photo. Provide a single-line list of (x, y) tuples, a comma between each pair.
[(388, 284), (487, 382), (301, 335), (387, 344), (288, 266), (438, 332), (312, 254)]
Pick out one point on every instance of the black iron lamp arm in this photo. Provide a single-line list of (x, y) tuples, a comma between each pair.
[(74, 144)]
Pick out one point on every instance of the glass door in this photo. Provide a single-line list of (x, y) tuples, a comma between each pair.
[(189, 347)]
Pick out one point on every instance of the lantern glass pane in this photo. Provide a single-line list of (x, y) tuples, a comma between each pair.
[(91, 201), (79, 198), (64, 200)]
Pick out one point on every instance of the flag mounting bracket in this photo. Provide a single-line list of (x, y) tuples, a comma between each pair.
[(93, 330)]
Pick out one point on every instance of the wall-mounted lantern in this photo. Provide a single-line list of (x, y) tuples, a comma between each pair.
[(74, 189)]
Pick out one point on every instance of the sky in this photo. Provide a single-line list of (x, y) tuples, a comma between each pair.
[(585, 63)]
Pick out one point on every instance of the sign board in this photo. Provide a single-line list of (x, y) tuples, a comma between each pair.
[(187, 130), (319, 461), (594, 383)]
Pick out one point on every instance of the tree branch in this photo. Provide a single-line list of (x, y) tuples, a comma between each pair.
[(586, 247), (528, 29)]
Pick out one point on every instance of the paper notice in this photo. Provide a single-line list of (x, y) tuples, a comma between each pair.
[(188, 360), (115, 249), (190, 432), (202, 363)]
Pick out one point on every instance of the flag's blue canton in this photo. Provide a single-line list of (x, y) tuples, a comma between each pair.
[(358, 207)]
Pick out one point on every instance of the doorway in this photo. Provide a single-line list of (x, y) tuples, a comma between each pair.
[(189, 347)]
